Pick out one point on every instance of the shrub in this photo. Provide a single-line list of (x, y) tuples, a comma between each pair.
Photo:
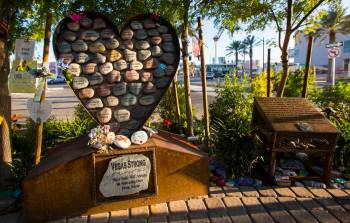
[(259, 84)]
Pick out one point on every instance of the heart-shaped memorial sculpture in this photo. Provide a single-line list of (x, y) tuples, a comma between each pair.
[(119, 78)]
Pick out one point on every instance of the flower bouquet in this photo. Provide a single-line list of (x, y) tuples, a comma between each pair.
[(101, 138)]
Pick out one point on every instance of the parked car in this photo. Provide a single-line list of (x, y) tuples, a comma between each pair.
[(57, 80), (210, 76)]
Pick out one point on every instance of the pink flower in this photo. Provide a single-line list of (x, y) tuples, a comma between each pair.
[(155, 16), (76, 17)]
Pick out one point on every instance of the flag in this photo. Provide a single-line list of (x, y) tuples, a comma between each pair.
[(4, 26), (195, 47)]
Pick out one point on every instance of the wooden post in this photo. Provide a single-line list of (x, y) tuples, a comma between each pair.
[(268, 88), (204, 83), (307, 65), (40, 125), (177, 106)]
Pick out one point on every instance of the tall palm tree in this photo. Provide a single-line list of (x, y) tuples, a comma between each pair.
[(335, 21), (235, 48), (251, 41), (243, 52)]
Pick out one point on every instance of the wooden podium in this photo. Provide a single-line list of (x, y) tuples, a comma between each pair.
[(65, 184)]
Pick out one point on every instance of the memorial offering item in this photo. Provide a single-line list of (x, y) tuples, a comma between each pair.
[(101, 138), (118, 78)]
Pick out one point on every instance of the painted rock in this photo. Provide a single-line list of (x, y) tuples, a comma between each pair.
[(133, 124), (80, 82), (135, 88), (128, 100), (119, 89), (122, 142), (168, 58), (89, 35), (126, 44), (129, 55), (97, 47), (143, 54), (120, 65), (122, 115), (103, 90), (131, 75), (158, 72), (94, 103), (162, 29), (66, 58), (167, 38), (147, 100), (139, 137), (64, 47), (149, 88), (73, 26), (153, 32), (162, 82), (151, 63), (81, 58), (127, 34), (99, 23), (86, 93), (74, 69), (113, 55), (169, 70), (156, 51), (156, 40), (104, 115), (140, 112), (136, 65), (107, 34), (149, 24), (136, 25), (111, 101), (146, 76), (141, 34), (69, 36), (111, 44), (95, 79), (89, 68), (114, 76), (168, 47), (106, 68), (86, 22), (141, 45), (79, 46), (98, 58)]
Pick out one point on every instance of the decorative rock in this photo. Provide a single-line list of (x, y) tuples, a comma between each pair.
[(149, 24), (168, 47), (146, 76), (136, 65), (64, 47), (89, 35), (141, 34), (98, 58), (140, 112), (124, 132), (89, 68), (156, 51), (94, 103), (122, 115), (120, 65), (131, 75), (149, 88), (86, 22), (128, 100), (136, 25), (74, 69), (103, 90), (141, 45), (122, 142), (129, 55), (111, 43), (104, 115), (133, 124), (97, 47), (127, 34), (153, 32), (162, 29), (86, 93), (168, 58), (111, 101), (143, 54), (126, 44), (114, 76), (119, 89), (156, 40), (80, 82), (106, 68), (139, 137), (135, 88), (99, 23), (95, 79), (66, 58), (167, 38), (107, 34), (151, 63), (169, 70), (113, 55), (147, 100), (162, 82), (158, 72), (69, 36), (79, 46), (73, 26), (81, 58)]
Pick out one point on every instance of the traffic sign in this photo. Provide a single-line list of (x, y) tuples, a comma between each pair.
[(336, 44), (333, 52)]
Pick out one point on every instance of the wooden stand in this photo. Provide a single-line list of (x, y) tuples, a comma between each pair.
[(64, 184)]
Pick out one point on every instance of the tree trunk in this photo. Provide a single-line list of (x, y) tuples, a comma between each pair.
[(236, 57), (332, 39), (307, 65), (185, 59), (251, 62)]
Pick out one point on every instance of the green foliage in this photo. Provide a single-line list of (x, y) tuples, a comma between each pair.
[(259, 84)]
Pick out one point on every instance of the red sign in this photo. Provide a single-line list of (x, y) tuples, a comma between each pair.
[(333, 52)]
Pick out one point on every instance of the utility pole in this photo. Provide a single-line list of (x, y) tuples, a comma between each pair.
[(263, 40), (268, 85), (307, 65)]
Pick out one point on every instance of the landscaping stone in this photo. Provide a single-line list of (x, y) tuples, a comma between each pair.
[(158, 209), (139, 212), (99, 218), (284, 192)]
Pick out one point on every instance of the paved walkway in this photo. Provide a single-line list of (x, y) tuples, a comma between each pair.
[(233, 204)]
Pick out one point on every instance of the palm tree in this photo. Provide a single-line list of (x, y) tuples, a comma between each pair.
[(335, 21), (235, 48), (251, 41), (243, 51)]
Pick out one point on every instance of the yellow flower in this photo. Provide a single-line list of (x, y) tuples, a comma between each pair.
[(1, 118)]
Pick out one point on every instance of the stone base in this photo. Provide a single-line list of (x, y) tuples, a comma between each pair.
[(65, 184)]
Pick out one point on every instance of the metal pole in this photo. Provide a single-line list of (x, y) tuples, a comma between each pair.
[(307, 65), (333, 71), (263, 54), (268, 73)]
